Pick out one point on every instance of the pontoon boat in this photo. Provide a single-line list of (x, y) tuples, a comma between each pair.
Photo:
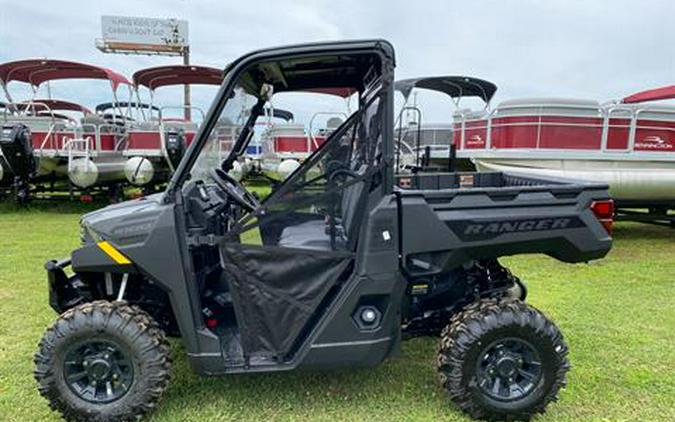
[(431, 142), (286, 144), (628, 144), (157, 143), (89, 152)]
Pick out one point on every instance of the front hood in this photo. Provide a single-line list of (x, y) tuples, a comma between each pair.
[(124, 223)]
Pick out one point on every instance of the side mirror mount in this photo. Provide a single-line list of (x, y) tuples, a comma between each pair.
[(244, 144), (266, 91)]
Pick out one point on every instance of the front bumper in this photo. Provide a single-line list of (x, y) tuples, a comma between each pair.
[(64, 291)]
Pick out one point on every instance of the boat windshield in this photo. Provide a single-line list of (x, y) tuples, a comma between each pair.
[(222, 138)]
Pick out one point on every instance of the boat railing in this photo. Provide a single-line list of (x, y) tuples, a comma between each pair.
[(49, 138), (498, 112), (311, 138), (160, 113), (435, 143), (225, 137), (398, 125), (22, 115), (98, 130), (659, 110), (37, 105), (77, 148), (608, 113), (50, 145)]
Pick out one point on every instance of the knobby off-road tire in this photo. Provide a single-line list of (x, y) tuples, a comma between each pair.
[(122, 352), (501, 359)]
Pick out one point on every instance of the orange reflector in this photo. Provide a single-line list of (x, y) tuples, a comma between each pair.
[(113, 253)]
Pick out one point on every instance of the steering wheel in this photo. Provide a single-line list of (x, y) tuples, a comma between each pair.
[(235, 190), (338, 169)]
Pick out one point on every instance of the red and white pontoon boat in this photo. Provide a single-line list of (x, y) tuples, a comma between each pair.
[(286, 144), (628, 144), (89, 152), (254, 151), (156, 145), (431, 142), (54, 113)]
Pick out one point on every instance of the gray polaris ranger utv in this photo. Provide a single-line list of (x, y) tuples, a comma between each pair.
[(334, 268)]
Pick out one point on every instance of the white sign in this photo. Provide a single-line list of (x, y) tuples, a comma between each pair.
[(149, 31)]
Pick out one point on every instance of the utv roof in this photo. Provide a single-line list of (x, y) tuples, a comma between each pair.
[(336, 68), (340, 92), (663, 93), (343, 64), (454, 86), (53, 105), (37, 71), (155, 77)]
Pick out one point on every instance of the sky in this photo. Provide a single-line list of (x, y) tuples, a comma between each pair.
[(599, 50)]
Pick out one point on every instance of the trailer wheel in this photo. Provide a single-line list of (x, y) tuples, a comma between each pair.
[(501, 359), (103, 361)]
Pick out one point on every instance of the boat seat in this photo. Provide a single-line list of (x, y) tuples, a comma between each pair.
[(38, 123), (92, 119), (146, 126), (315, 234), (469, 114)]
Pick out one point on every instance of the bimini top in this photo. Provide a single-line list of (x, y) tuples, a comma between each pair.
[(40, 105), (663, 93), (454, 86), (281, 114), (155, 77), (123, 104), (37, 71)]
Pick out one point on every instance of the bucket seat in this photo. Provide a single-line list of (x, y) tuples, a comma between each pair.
[(315, 234)]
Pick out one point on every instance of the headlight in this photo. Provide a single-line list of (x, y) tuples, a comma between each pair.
[(87, 235)]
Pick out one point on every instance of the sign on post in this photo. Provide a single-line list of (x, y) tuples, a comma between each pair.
[(134, 35), (131, 35)]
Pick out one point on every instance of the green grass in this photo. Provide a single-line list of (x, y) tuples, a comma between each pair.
[(618, 316)]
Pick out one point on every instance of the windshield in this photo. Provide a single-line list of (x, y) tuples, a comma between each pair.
[(219, 144)]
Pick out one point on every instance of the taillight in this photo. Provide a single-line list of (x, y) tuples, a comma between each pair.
[(604, 212)]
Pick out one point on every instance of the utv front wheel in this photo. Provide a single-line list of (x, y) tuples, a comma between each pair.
[(502, 360), (103, 361)]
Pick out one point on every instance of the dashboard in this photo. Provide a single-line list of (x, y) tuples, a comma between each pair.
[(209, 209)]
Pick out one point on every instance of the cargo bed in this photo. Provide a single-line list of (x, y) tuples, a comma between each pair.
[(477, 215)]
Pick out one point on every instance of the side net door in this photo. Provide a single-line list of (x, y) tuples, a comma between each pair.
[(287, 260)]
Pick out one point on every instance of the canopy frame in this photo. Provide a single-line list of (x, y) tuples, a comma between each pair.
[(35, 72), (169, 75), (457, 87), (656, 94)]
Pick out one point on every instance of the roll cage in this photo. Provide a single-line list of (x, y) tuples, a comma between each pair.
[(297, 68)]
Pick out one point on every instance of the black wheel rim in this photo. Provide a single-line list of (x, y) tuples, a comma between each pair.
[(98, 371), (508, 369)]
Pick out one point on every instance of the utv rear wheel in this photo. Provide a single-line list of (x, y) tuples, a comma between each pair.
[(501, 359), (103, 361)]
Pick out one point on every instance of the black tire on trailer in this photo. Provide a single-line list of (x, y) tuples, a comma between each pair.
[(501, 359), (103, 361)]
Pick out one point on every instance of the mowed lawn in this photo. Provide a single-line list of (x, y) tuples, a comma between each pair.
[(618, 316)]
